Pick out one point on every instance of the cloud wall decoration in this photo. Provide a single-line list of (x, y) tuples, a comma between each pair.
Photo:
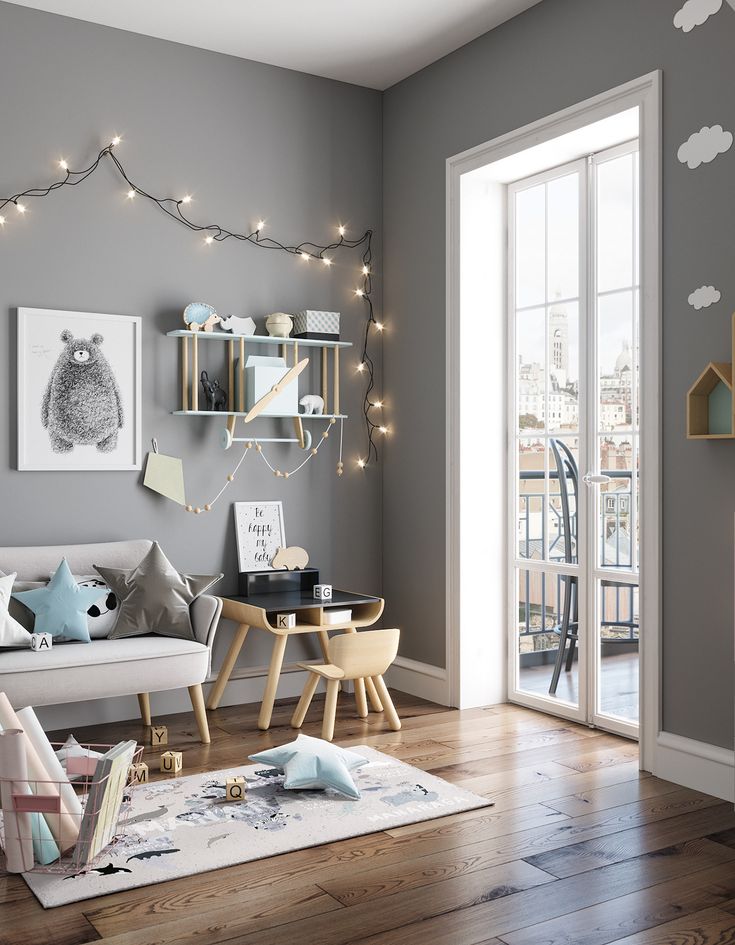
[(704, 296), (696, 12), (704, 145)]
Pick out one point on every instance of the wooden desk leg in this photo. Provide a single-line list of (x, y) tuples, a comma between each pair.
[(274, 671), (360, 700), (324, 643), (373, 695), (227, 666)]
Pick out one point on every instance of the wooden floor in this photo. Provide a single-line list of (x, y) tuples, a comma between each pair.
[(579, 848), (618, 684)]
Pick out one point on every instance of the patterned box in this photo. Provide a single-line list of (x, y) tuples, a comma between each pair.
[(321, 326)]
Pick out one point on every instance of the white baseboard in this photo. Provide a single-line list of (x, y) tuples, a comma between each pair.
[(696, 765), (245, 686), (419, 679)]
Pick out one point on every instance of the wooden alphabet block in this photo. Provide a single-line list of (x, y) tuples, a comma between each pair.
[(285, 621), (236, 788), (322, 591), (41, 642), (138, 773), (172, 762), (159, 736)]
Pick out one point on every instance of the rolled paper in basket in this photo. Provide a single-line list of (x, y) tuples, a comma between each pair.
[(34, 731), (63, 826), (16, 827), (45, 849)]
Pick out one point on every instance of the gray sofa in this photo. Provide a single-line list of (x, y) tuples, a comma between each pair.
[(76, 672)]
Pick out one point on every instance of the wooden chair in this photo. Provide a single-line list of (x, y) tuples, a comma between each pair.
[(362, 657)]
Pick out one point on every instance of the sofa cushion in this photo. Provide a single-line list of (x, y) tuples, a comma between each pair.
[(155, 597), (61, 606), (12, 633), (101, 668)]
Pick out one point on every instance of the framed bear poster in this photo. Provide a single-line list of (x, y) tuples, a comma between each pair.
[(79, 391)]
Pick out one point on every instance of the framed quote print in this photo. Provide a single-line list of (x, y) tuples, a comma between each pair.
[(260, 533)]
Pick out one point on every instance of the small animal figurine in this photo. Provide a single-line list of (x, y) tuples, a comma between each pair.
[(199, 315), (290, 559), (216, 397), (238, 325), (312, 403)]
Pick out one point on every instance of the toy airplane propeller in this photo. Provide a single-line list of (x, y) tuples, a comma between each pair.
[(287, 378)]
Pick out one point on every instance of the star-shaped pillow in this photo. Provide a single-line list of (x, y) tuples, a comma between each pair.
[(11, 632), (61, 606), (155, 597), (311, 763)]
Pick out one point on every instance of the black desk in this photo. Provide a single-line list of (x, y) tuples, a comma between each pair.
[(259, 611)]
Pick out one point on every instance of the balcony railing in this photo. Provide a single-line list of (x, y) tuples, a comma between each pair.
[(541, 597)]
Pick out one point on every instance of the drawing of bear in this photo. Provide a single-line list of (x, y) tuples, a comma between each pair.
[(82, 405)]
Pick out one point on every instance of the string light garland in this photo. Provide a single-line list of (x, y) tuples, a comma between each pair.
[(254, 444), (214, 233)]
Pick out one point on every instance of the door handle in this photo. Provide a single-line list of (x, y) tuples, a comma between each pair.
[(592, 479)]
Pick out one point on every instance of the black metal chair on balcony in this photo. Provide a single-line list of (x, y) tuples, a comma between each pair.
[(568, 628)]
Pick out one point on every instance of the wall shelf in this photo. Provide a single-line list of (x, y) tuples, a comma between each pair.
[(710, 401), (266, 416), (256, 339), (235, 352)]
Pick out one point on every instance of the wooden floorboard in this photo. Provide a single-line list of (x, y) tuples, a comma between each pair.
[(579, 848)]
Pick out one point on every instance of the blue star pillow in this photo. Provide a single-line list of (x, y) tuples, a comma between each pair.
[(61, 607), (311, 763)]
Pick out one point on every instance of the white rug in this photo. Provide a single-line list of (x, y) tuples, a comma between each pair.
[(186, 826)]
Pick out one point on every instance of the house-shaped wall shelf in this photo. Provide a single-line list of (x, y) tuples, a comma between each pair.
[(710, 401)]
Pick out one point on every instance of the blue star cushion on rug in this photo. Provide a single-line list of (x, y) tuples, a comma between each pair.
[(311, 763), (61, 607)]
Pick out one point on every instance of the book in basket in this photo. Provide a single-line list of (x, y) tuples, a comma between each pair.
[(104, 801)]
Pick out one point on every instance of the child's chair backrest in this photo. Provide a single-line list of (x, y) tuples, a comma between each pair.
[(366, 653)]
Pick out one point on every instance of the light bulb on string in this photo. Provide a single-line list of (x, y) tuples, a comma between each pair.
[(361, 366), (2, 221), (115, 141), (361, 463), (186, 198), (305, 256), (209, 239), (63, 165), (260, 225), (327, 261), (383, 430), (130, 195), (379, 326), (341, 230), (366, 270), (378, 404), (21, 208), (359, 293)]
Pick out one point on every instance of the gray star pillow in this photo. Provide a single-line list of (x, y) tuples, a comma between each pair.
[(154, 597)]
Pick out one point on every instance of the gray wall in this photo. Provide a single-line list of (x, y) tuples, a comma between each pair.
[(248, 140), (554, 55)]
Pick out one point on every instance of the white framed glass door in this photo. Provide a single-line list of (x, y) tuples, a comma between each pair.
[(573, 435)]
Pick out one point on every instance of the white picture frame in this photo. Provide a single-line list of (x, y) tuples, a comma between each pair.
[(51, 438), (260, 532)]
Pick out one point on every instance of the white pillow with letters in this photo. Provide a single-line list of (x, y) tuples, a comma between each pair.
[(11, 632)]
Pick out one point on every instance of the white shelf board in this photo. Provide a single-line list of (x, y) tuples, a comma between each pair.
[(256, 339), (273, 416)]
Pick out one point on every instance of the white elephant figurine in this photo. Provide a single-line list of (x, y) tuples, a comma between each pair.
[(312, 403)]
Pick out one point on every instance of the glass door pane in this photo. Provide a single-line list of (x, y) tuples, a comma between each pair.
[(615, 664), (545, 314)]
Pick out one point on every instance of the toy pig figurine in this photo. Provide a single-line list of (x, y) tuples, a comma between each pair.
[(216, 397)]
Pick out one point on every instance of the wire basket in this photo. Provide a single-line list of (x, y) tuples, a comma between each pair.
[(41, 816)]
